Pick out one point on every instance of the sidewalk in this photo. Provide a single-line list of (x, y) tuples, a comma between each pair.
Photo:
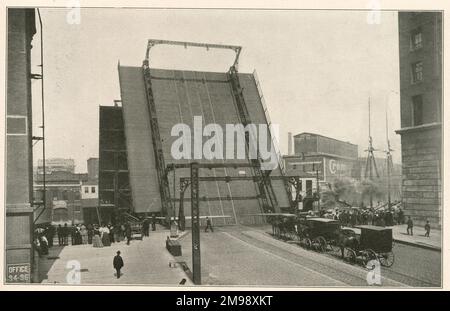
[(418, 239), (146, 262)]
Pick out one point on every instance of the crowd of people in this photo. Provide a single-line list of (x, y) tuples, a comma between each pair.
[(94, 234), (354, 217)]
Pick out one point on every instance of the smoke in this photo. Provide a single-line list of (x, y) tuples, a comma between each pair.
[(351, 192)]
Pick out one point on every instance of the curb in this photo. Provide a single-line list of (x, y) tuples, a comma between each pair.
[(420, 245)]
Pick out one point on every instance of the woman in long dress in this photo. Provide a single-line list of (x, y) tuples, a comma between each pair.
[(84, 234), (105, 236), (96, 240), (78, 238)]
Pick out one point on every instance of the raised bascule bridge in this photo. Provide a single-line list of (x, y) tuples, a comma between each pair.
[(139, 175)]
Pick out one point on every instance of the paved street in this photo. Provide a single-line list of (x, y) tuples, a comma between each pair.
[(236, 256), (242, 257), (415, 266)]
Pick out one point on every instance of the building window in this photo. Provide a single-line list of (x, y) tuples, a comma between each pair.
[(92, 189), (417, 110), (86, 189), (417, 74), (416, 39)]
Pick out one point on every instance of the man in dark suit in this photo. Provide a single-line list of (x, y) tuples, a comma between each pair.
[(153, 222), (410, 225), (146, 226), (118, 263), (128, 233), (65, 232), (60, 233), (208, 225)]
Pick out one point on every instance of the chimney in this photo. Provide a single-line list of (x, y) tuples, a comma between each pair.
[(289, 143)]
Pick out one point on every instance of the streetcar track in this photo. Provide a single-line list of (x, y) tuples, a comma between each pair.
[(349, 279), (394, 275)]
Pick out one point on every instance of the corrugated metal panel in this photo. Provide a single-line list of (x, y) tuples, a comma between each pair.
[(141, 157)]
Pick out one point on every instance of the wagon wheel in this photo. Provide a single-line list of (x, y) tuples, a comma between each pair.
[(321, 244), (307, 243), (349, 255), (387, 259), (335, 248), (368, 255)]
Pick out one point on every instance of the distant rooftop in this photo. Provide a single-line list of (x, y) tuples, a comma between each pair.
[(319, 135)]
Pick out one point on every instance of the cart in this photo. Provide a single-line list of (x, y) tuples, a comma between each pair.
[(320, 234), (374, 243), (136, 230)]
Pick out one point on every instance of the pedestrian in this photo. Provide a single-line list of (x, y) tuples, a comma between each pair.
[(128, 233), (65, 233), (111, 233), (96, 240), (208, 225), (78, 237), (427, 229), (84, 234), (105, 235), (90, 233), (400, 217), (50, 234), (146, 226), (410, 225), (73, 233), (60, 234), (153, 222), (118, 263)]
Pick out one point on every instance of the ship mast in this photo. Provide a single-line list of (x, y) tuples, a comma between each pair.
[(371, 165)]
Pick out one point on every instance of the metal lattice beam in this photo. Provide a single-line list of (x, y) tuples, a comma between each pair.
[(152, 42)]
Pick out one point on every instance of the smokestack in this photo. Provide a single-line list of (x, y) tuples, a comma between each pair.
[(289, 143)]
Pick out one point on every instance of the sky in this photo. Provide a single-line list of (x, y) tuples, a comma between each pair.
[(317, 69)]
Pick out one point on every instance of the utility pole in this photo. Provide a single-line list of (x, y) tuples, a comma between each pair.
[(318, 189), (195, 212), (315, 168)]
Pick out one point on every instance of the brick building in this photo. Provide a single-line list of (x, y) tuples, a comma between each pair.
[(63, 196), (321, 160), (420, 47), (19, 155)]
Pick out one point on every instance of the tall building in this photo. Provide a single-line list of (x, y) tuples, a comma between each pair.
[(319, 161), (56, 165), (329, 157), (420, 47), (19, 154)]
